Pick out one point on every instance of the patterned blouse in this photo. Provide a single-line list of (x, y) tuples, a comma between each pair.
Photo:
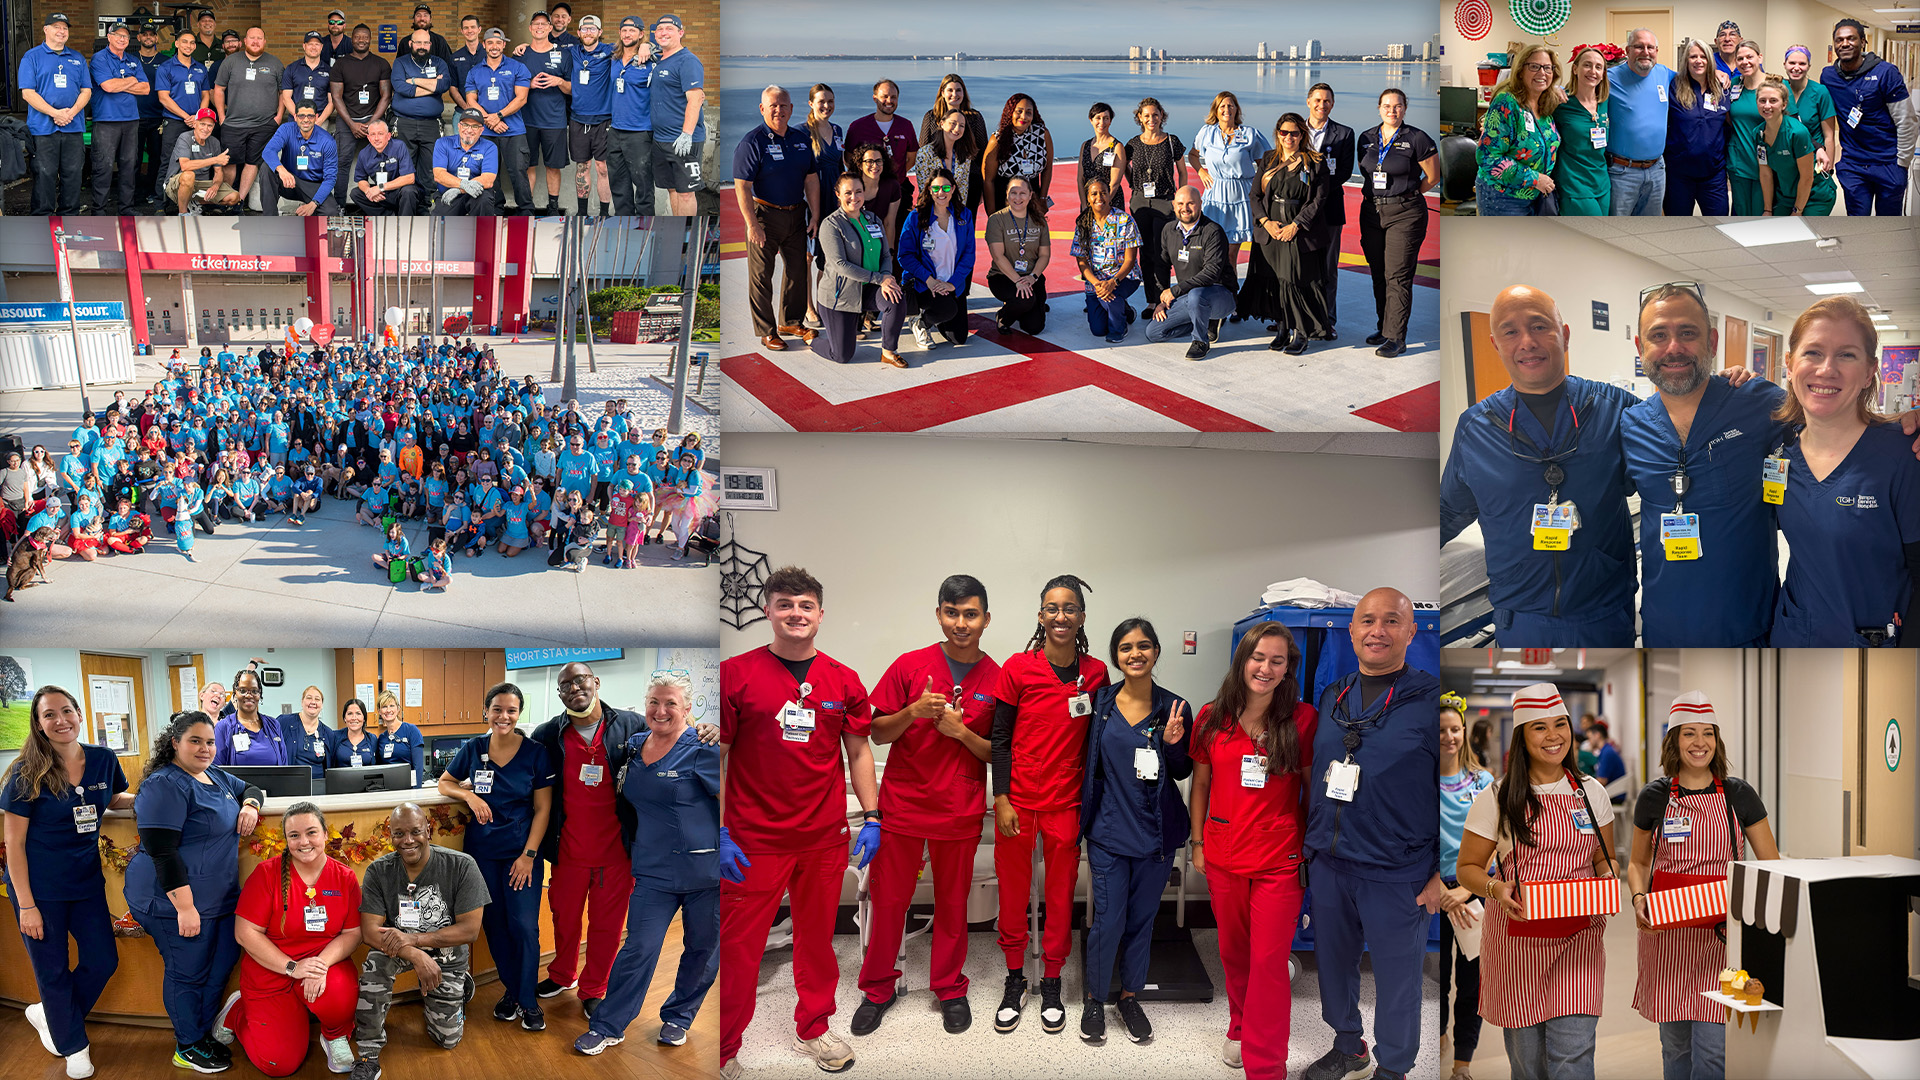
[(1028, 155), (1110, 240), (1515, 147)]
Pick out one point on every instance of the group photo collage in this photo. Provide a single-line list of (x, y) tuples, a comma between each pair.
[(530, 608)]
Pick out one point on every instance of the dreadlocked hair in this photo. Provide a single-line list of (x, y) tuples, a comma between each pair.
[(286, 857), (1080, 589)]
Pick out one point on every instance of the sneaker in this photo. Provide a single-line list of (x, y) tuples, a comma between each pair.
[(1012, 1003), (732, 1070), (533, 1019), (80, 1065), (1053, 1015), (1002, 325), (1461, 1072), (339, 1055), (1093, 1021), (922, 335), (587, 1005), (1334, 1065), (1230, 1053), (1296, 346), (592, 1042), (1132, 1015), (223, 1034), (1213, 331), (220, 1053), (1388, 1074), (956, 1015), (829, 1051), (199, 1059), (366, 1069), (866, 1018), (506, 1009), (37, 1016), (671, 1035), (1197, 350)]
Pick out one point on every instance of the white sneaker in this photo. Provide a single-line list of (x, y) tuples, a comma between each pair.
[(223, 1034), (1230, 1053), (340, 1057), (921, 334), (732, 1070), (829, 1051), (37, 1016), (80, 1065)]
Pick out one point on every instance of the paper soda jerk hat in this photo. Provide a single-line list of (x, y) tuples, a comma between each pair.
[(1537, 702), (1692, 707)]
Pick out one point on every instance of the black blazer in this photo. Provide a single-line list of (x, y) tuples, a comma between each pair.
[(1338, 148), (619, 726)]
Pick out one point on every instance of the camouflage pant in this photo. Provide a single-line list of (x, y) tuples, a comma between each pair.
[(445, 1005)]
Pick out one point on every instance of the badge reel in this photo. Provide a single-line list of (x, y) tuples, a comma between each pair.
[(592, 775), (796, 722), (1680, 531), (483, 778), (1553, 520), (1146, 763), (1081, 703)]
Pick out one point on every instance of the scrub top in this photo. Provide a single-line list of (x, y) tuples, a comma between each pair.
[(1782, 154), (1723, 599), (404, 745), (1580, 172), (1869, 136), (335, 893), (63, 831), (207, 816), (1123, 822), (510, 797), (345, 754), (933, 787), (235, 745), (313, 750), (1390, 831), (1253, 830), (789, 791), (1813, 107), (1847, 568), (1049, 742), (679, 799), (1743, 106)]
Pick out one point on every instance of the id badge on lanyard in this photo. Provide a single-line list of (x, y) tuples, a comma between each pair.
[(1676, 827), (1773, 480), (483, 778), (1854, 116), (1253, 770), (1081, 703), (1148, 188), (1146, 763), (1680, 536), (316, 919), (1343, 779), (592, 775), (1581, 821), (1553, 525), (1597, 135), (409, 915), (242, 742), (796, 720), (86, 818)]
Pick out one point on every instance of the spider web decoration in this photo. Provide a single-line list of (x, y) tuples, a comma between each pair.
[(743, 579), (1540, 17)]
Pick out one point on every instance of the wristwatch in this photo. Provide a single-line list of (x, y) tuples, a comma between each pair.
[(290, 967), (531, 854)]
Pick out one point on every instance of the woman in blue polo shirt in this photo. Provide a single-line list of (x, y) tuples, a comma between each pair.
[(248, 737), (507, 785), (184, 881), (400, 742), (53, 797), (354, 747), (308, 739)]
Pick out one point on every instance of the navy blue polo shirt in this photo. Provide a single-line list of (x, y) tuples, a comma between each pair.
[(777, 165), (63, 842), (122, 105), (547, 107), (464, 61), (420, 107), (632, 97), (394, 161), (308, 83)]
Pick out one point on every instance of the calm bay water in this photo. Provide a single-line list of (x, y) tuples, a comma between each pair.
[(1065, 90)]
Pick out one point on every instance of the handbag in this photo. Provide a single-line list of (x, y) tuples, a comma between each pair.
[(1572, 924), (1547, 205)]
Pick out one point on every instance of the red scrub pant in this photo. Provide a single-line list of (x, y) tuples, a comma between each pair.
[(890, 882), (1058, 834), (1256, 916), (812, 881), (602, 892), (270, 1019)]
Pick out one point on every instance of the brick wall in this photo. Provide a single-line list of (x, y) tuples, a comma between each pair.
[(286, 21)]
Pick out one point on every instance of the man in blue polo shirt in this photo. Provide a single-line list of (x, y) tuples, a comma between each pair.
[(1637, 133), (1877, 124), (778, 186), (420, 82), (630, 135), (679, 124), (180, 87), (497, 88), (56, 84), (551, 68), (592, 115), (383, 174), (119, 81), (307, 78), (467, 168), (469, 55), (304, 164)]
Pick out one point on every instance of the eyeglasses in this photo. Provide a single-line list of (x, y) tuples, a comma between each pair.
[(577, 680), (1541, 69), (1059, 609)]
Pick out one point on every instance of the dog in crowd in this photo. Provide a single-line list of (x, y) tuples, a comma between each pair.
[(29, 560)]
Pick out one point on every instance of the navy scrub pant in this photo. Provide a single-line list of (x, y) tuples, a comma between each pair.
[(512, 925), (1517, 629), (1684, 192), (68, 996), (196, 971), (1352, 915), (1875, 189), (649, 912), (1126, 896)]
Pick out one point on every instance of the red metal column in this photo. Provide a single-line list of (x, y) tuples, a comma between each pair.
[(519, 292), (319, 283), (136, 293), (365, 274), (486, 273)]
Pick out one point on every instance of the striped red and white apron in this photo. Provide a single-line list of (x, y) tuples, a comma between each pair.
[(1526, 981), (1679, 963)]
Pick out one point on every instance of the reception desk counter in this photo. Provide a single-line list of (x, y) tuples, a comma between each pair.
[(357, 825)]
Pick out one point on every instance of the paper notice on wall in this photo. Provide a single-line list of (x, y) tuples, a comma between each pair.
[(394, 689), (364, 691), (109, 694), (189, 688), (113, 731), (415, 692)]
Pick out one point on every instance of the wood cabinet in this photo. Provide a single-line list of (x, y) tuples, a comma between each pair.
[(453, 683)]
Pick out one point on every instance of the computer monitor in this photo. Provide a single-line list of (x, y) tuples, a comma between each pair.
[(370, 778), (440, 752), (278, 781)]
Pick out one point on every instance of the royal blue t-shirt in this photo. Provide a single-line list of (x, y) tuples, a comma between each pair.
[(510, 797), (632, 98), (1637, 111), (577, 471), (62, 845), (593, 83), (207, 817)]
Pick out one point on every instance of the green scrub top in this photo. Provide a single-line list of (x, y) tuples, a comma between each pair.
[(1745, 111), (1783, 155), (1580, 173)]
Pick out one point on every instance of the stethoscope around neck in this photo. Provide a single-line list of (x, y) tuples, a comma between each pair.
[(1550, 461)]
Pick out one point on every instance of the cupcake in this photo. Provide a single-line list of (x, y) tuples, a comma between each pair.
[(1754, 991), (1726, 981)]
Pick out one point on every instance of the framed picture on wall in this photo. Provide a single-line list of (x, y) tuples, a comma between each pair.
[(748, 489), (16, 699)]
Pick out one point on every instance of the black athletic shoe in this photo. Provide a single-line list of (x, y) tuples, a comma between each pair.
[(1093, 1021), (956, 1015), (1376, 338), (533, 1019), (587, 1005), (1213, 331), (1391, 348), (506, 1009), (1334, 1065), (1135, 1018), (1012, 1003), (1297, 346), (213, 1046), (198, 1059), (866, 1018), (548, 988), (1278, 344), (1053, 1014), (1197, 350)]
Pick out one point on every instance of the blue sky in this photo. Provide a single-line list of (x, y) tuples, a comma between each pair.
[(998, 26)]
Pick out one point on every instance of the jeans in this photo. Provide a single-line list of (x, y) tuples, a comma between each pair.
[(1638, 192), (57, 163), (1693, 1050), (1191, 311), (1495, 203), (1109, 318), (1558, 1049)]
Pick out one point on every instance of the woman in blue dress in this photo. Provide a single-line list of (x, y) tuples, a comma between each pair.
[(507, 782), (1850, 510), (1226, 157), (672, 781), (53, 797)]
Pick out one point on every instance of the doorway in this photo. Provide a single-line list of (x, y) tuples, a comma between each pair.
[(1624, 21)]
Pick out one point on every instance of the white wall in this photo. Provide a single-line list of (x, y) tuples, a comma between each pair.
[(623, 683), (1188, 538), (1808, 820), (1575, 270), (61, 667), (1624, 703), (1588, 23)]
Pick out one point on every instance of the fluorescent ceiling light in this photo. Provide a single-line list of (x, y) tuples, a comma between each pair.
[(1886, 328), (1760, 232), (1837, 287), (1878, 317)]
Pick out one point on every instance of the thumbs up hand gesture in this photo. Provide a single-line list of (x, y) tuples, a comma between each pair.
[(930, 703)]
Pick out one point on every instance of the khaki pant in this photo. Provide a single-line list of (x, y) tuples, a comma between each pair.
[(208, 180)]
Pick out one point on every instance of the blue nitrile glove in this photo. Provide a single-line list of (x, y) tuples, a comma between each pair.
[(732, 859), (868, 843)]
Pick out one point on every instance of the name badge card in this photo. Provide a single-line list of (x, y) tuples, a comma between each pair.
[(1853, 116), (1147, 189), (409, 915), (316, 918), (1773, 481), (1253, 770), (1598, 136), (1080, 705), (796, 723), (242, 741), (86, 818), (1677, 828), (60, 80), (1680, 535), (591, 775), (1552, 526), (1581, 822), (1146, 763), (1343, 779), (483, 781), (1379, 179)]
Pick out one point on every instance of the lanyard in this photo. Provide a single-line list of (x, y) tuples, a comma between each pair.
[(1368, 719), (1553, 474), (1680, 482)]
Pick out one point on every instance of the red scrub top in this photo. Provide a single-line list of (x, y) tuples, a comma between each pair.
[(337, 890), (784, 795), (1252, 831), (591, 834), (1049, 744), (934, 788)]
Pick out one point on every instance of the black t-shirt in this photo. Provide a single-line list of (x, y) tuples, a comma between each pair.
[(1544, 407), (358, 75), (1652, 803), (797, 668)]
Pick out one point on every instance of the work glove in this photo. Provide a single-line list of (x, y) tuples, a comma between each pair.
[(683, 145)]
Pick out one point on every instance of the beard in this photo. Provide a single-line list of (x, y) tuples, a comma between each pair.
[(1680, 384)]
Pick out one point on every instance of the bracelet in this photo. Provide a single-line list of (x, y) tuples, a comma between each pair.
[(30, 907), (1196, 843)]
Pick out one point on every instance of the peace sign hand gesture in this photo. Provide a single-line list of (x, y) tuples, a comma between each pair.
[(1176, 728)]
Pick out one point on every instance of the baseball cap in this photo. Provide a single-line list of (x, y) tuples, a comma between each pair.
[(475, 116), (674, 19), (206, 114), (634, 21), (57, 17), (495, 32), (336, 11), (313, 35), (117, 28), (593, 20), (234, 34), (418, 8), (147, 28)]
